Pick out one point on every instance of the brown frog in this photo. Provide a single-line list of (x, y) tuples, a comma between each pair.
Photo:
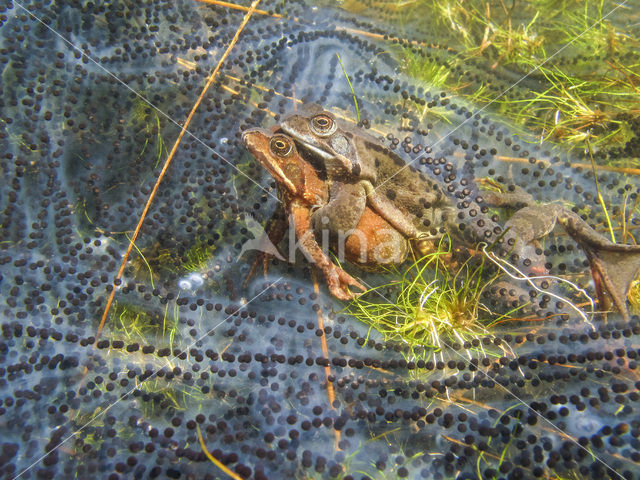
[(371, 242), (412, 202), (361, 165)]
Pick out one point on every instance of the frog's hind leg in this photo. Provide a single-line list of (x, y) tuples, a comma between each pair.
[(613, 266), (337, 279), (267, 244)]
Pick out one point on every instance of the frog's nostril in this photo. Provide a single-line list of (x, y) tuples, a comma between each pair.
[(249, 136)]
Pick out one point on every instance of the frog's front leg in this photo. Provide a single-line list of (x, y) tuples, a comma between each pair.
[(348, 202), (337, 279), (357, 232), (392, 214), (341, 214)]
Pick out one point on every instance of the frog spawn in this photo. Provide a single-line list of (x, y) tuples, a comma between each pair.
[(79, 152), (247, 390)]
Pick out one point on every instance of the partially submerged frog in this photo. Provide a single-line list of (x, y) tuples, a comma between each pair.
[(412, 202), (359, 166), (370, 242)]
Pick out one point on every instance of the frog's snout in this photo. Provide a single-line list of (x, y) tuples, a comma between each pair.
[(253, 137), (246, 136)]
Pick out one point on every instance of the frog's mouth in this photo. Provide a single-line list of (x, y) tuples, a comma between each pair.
[(277, 173), (256, 141), (314, 150)]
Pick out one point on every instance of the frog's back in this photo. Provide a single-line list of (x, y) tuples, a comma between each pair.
[(408, 188)]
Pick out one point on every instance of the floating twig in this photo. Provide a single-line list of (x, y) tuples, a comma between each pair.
[(166, 167)]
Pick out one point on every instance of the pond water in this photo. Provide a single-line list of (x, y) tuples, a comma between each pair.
[(116, 365)]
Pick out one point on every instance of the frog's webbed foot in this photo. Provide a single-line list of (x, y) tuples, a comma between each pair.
[(613, 266), (533, 222), (261, 258), (339, 282), (266, 245)]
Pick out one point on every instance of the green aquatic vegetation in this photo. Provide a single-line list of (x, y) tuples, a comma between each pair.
[(198, 255), (506, 450), (599, 193), (417, 65), (159, 143), (634, 297), (144, 260), (574, 110), (145, 121), (174, 395), (491, 29), (157, 259), (135, 324), (435, 305), (581, 67)]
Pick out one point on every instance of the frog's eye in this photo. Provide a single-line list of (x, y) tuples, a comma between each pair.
[(323, 125), (281, 146)]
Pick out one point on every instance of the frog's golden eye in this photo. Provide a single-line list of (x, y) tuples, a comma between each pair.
[(282, 146), (323, 125)]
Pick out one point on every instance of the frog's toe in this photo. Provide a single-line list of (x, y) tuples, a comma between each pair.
[(339, 282), (342, 294), (340, 291)]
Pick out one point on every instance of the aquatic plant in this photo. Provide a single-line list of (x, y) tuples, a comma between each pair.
[(432, 305)]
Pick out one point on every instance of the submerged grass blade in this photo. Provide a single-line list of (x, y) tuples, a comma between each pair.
[(355, 100), (433, 303), (143, 259), (600, 199)]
